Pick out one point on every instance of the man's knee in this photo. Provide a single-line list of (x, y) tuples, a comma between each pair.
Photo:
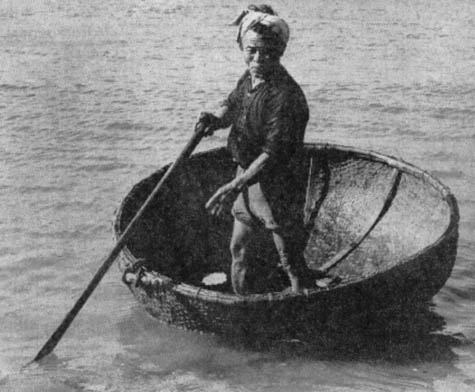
[(241, 236), (237, 248)]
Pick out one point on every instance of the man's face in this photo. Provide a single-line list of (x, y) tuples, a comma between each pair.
[(259, 54)]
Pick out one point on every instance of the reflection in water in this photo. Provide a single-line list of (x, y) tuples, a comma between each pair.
[(396, 335), (96, 95), (385, 348)]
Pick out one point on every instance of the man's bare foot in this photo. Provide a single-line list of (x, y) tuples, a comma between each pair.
[(294, 282)]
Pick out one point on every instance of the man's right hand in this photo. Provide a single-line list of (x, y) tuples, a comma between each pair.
[(207, 123)]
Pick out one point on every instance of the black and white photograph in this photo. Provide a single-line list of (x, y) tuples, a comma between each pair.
[(228, 196)]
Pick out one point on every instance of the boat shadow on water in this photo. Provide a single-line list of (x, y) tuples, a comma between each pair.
[(394, 335)]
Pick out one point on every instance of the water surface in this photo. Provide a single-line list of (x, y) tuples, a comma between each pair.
[(96, 95)]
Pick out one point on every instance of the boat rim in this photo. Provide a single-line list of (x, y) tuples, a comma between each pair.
[(207, 295)]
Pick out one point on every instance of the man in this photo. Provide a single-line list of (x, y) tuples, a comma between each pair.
[(268, 113)]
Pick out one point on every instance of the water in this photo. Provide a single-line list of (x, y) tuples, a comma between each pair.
[(96, 95)]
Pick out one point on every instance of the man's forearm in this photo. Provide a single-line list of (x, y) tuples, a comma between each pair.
[(255, 168)]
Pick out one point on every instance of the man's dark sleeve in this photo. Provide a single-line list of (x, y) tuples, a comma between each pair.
[(233, 99), (283, 127)]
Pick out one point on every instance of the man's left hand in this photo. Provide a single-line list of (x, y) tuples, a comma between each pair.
[(223, 196)]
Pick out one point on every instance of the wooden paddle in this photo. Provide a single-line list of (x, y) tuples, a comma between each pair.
[(343, 254), (57, 335)]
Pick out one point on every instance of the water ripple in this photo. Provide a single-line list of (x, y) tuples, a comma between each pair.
[(96, 95)]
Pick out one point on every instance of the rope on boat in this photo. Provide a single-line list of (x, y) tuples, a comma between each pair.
[(138, 274)]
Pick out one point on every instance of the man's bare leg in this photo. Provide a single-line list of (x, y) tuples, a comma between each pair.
[(239, 241), (282, 250)]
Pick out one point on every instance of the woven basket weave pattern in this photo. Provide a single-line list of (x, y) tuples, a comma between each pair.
[(409, 254)]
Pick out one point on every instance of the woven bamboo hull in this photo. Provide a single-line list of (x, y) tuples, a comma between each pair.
[(406, 258)]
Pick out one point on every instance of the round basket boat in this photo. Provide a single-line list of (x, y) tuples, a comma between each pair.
[(385, 231)]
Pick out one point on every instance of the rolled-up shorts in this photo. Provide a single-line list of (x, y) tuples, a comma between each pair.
[(256, 205)]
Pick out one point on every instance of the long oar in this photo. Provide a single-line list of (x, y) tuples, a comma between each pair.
[(343, 254), (57, 335)]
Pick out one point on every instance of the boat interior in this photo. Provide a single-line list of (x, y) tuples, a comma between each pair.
[(379, 212)]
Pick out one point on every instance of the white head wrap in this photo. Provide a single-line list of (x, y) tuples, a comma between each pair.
[(249, 18)]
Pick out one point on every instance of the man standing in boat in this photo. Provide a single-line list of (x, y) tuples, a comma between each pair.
[(268, 113)]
